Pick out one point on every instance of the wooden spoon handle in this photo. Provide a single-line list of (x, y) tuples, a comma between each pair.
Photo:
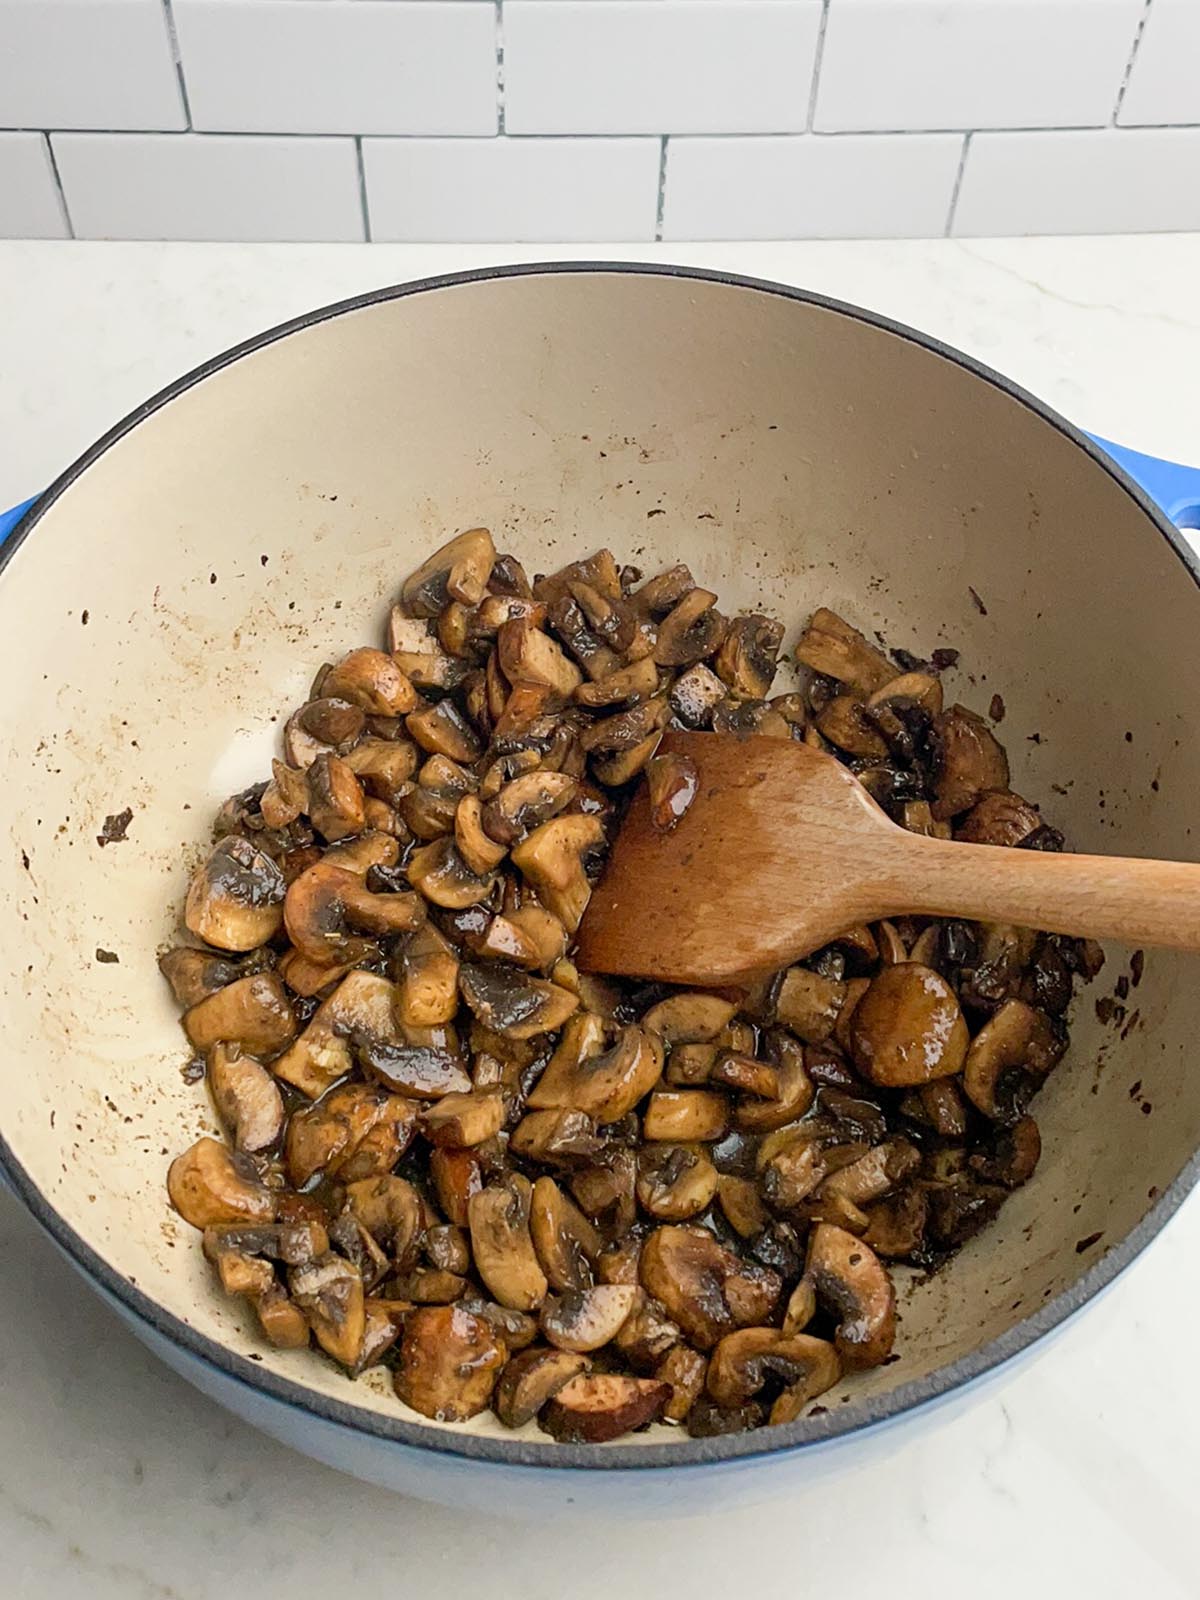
[(1095, 897)]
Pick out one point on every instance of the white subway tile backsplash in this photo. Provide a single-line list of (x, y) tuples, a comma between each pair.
[(658, 66), (209, 186), (29, 204), (87, 64), (900, 64), (524, 189), (870, 186), (1164, 85), (1104, 181), (340, 66)]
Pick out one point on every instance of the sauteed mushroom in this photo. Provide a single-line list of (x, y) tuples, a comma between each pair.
[(590, 1201)]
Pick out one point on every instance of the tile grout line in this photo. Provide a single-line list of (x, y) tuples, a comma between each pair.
[(958, 182), (661, 201), (362, 188), (500, 68), (173, 37), (1137, 39), (62, 198), (818, 58)]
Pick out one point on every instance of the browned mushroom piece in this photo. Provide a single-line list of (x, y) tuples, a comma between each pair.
[(809, 1367), (675, 1182), (692, 630), (514, 1003), (845, 723), (689, 1017), (708, 1290), (583, 1320), (371, 680), (430, 1286), (970, 762), (552, 859), (743, 1074), (335, 799), (449, 1361), (480, 852), (283, 1323), (384, 767), (392, 1212), (525, 802), (235, 899), (292, 1242), (252, 1012), (849, 1278), (742, 718), (748, 657), (462, 1120), (527, 655), (832, 647), (195, 974), (427, 992), (914, 688), (459, 570), (873, 1174), (606, 1084), (209, 1184), (501, 1244), (908, 1028), (421, 1071), (1016, 1042), (241, 1274), (1013, 1155), (532, 1378), (352, 1132), (624, 765), (742, 1205), (595, 1409), (625, 686), (793, 1170), (743, 1363), (357, 1244), (528, 936), (328, 899), (896, 1225), (360, 1008), (691, 1064), (809, 1004), (999, 818), (555, 1138), (685, 1116), (448, 1248), (443, 730), (646, 1334), (457, 1174), (684, 1369), (565, 1241), (672, 781), (246, 1096), (626, 731)]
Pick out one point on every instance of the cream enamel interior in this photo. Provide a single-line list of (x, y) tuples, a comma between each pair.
[(172, 606)]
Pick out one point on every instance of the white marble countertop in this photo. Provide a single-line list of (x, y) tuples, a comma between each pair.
[(118, 1482)]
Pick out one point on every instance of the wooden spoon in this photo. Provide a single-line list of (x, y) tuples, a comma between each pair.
[(782, 849)]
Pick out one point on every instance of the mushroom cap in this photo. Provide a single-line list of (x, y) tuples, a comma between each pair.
[(501, 1244), (458, 570), (247, 1097), (908, 1028), (970, 762), (675, 1182), (585, 1319), (606, 1084), (530, 1379), (450, 1359), (208, 1184), (1017, 1037), (594, 1409), (253, 1012), (704, 1287), (235, 899), (552, 857), (849, 1278), (565, 1241)]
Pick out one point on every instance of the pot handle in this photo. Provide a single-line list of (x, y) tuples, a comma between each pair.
[(9, 519), (1173, 487)]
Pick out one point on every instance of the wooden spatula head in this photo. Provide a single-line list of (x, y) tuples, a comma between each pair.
[(770, 861)]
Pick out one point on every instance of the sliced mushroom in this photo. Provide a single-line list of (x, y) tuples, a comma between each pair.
[(291, 1242), (456, 1175), (392, 1212), (685, 1370), (450, 1359), (685, 1116), (795, 1095), (371, 680), (845, 723), (427, 993), (480, 852), (352, 1240), (970, 762), (917, 817), (555, 1138), (443, 730), (360, 1008), (501, 1244), (595, 1409), (742, 1205), (999, 818), (624, 765), (745, 1075), (459, 570), (235, 899), (1016, 1040), (566, 1242), (196, 974), (208, 1184), (335, 799), (896, 1226), (382, 1326), (606, 1084), (254, 1013), (744, 1362), (692, 630), (908, 1028), (942, 1102), (1013, 1156), (848, 1277), (872, 1175), (552, 860), (695, 694), (422, 1071), (625, 686), (514, 1003), (672, 781), (691, 1064), (384, 767), (793, 1171), (585, 1319), (689, 1018), (517, 1328), (328, 899), (354, 1132), (809, 1004), (526, 801), (430, 1286), (748, 658), (532, 1378), (247, 1097), (646, 1334), (675, 1182), (831, 646), (527, 655), (705, 1288), (626, 730), (462, 1120), (537, 938), (284, 1324), (809, 1367)]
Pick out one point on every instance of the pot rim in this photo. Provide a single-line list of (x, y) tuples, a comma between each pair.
[(762, 1442)]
